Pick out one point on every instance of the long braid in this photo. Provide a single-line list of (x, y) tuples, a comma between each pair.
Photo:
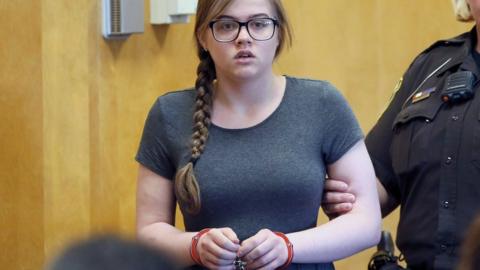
[(186, 185)]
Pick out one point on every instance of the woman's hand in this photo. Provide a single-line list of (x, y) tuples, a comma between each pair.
[(264, 250), (218, 248)]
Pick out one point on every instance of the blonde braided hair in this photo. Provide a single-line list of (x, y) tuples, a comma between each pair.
[(186, 185)]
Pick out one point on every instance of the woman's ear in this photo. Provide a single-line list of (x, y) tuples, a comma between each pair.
[(201, 41)]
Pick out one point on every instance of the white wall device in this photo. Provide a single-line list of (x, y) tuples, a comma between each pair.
[(122, 18), (171, 11)]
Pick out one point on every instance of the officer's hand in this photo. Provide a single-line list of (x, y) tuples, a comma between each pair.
[(336, 198), (264, 250), (218, 248)]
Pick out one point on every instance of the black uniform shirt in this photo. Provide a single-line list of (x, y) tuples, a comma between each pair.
[(427, 155)]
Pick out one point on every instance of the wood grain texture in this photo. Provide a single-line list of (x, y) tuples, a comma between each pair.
[(21, 118), (73, 105)]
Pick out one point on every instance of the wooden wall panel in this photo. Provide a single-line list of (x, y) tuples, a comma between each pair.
[(66, 140), (72, 104), (21, 186)]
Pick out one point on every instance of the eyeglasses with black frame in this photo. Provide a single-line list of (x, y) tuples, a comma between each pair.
[(227, 30)]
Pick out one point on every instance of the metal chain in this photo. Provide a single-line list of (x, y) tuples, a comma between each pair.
[(239, 264)]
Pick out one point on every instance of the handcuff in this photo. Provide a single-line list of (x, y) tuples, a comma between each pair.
[(239, 264)]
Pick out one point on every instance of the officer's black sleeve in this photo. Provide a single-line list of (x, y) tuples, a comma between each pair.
[(379, 139)]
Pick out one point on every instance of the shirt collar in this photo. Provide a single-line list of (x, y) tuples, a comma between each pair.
[(463, 56)]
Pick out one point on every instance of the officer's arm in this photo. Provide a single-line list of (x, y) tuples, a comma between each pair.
[(387, 202), (337, 200)]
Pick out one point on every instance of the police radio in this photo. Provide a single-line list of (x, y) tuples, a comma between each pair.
[(458, 87)]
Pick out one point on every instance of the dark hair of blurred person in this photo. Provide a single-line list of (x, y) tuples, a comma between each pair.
[(109, 252)]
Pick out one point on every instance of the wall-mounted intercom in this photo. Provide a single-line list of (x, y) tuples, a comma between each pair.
[(122, 18)]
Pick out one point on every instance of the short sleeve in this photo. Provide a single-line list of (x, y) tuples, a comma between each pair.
[(342, 128), (155, 144)]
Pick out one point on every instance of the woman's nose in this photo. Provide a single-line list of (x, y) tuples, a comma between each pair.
[(243, 35)]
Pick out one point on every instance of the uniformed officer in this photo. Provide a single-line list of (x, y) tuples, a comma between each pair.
[(426, 150)]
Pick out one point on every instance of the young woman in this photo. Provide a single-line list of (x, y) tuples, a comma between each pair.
[(249, 177)]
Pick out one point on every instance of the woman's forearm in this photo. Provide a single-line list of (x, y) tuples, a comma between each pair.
[(171, 241), (337, 239)]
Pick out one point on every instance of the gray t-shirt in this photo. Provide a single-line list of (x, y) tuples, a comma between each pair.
[(270, 175)]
